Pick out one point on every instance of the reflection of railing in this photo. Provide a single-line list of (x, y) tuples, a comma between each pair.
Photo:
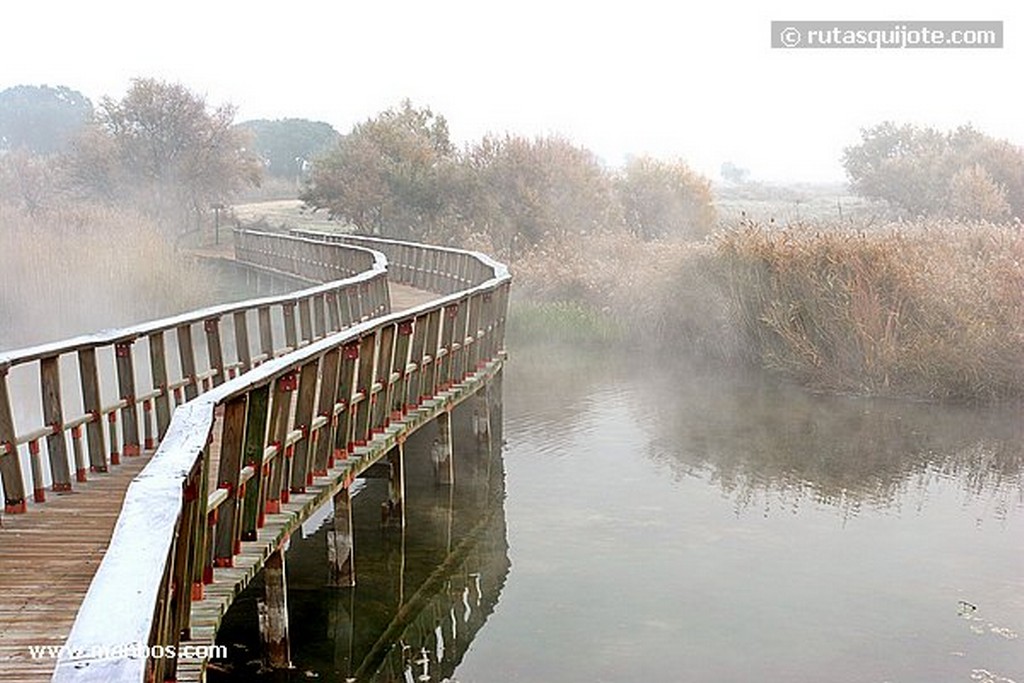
[(153, 380), (433, 629), (275, 430)]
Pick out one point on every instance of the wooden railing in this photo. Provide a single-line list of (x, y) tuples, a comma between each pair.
[(64, 378), (275, 428)]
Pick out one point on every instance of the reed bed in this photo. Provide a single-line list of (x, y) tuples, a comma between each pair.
[(81, 268), (932, 309)]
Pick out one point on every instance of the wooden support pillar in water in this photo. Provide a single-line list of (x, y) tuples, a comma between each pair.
[(392, 512), (340, 548), (441, 451), (273, 613), (482, 421)]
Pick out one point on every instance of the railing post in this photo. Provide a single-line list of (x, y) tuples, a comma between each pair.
[(398, 392), (187, 356), (280, 411), (199, 555), (361, 429), (158, 368), (302, 473), (331, 302), (346, 387), (414, 381), (458, 366), (214, 349), (92, 404), (381, 409), (428, 375), (319, 316), (255, 444), (125, 362), (242, 351), (348, 308), (444, 374), (10, 465), (305, 320), (226, 542), (266, 332), (290, 335), (53, 417), (189, 536), (323, 442)]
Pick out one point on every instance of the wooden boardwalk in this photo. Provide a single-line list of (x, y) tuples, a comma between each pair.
[(48, 556)]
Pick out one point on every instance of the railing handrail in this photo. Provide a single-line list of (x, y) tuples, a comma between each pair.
[(356, 290), (151, 536), (12, 357)]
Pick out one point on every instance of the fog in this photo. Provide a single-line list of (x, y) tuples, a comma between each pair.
[(700, 83)]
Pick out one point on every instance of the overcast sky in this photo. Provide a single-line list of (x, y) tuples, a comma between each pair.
[(620, 77)]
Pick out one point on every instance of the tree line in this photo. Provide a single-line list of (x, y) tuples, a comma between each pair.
[(400, 174), (161, 148)]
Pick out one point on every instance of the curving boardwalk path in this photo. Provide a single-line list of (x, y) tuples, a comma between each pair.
[(48, 557)]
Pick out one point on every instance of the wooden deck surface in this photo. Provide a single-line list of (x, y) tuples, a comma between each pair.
[(47, 559), (48, 556)]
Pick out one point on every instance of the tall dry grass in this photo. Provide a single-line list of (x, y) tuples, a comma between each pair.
[(931, 310), (81, 268)]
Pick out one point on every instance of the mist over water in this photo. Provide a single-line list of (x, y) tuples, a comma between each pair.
[(672, 523), (663, 520)]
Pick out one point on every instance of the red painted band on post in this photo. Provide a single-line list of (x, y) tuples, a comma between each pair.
[(16, 507), (61, 487), (198, 593), (39, 495), (80, 475), (131, 450)]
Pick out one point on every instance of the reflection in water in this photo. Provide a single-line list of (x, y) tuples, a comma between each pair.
[(668, 523), (421, 594), (766, 444)]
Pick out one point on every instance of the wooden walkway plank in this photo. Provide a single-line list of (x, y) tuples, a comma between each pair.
[(47, 559)]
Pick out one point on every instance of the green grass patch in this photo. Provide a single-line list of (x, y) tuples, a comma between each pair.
[(562, 322)]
